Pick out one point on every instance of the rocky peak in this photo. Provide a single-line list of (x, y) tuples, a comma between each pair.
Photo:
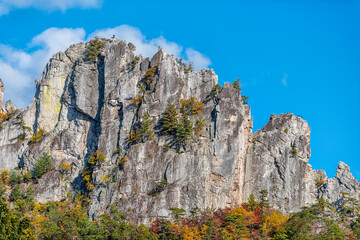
[(277, 161), (86, 107)]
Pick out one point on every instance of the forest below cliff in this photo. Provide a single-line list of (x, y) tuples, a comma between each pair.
[(22, 218)]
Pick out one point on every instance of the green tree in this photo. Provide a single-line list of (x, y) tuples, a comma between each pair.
[(251, 204), (12, 224), (15, 178), (93, 49), (169, 120), (177, 213), (264, 201), (184, 129), (331, 232), (236, 84), (16, 193), (245, 99), (145, 130), (299, 226), (42, 165)]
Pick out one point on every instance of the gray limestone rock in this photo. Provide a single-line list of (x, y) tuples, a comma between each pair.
[(277, 161), (343, 182), (85, 106)]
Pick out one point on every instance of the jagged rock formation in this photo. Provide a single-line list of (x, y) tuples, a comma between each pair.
[(85, 106), (277, 160)]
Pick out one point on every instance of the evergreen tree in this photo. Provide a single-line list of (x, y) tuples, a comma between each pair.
[(332, 231), (16, 193), (169, 120), (251, 204), (93, 49), (43, 165), (236, 84), (264, 202), (145, 130), (184, 129)]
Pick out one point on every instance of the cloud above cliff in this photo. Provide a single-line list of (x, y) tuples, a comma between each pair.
[(20, 67), (7, 6), (148, 47)]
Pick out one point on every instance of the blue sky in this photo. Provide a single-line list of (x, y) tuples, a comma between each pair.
[(292, 56)]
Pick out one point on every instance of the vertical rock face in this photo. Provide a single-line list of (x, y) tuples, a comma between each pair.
[(277, 161), (343, 182), (85, 107)]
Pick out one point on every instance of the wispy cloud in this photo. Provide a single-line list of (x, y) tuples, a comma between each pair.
[(284, 80), (50, 5), (200, 61), (19, 68), (148, 47)]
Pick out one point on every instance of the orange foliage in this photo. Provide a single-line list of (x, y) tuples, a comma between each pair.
[(191, 106), (38, 136), (136, 101), (273, 222)]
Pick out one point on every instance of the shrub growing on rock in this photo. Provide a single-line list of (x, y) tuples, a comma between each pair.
[(97, 158), (42, 165), (93, 49), (39, 136), (169, 120)]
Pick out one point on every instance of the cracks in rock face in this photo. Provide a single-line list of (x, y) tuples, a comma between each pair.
[(121, 119), (214, 114), (37, 111), (278, 170)]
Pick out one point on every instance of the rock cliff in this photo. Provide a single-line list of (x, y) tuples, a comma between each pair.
[(84, 107)]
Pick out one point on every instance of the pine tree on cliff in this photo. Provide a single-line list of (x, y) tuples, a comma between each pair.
[(184, 129), (169, 120)]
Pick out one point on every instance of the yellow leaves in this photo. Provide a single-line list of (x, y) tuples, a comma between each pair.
[(38, 136), (21, 137), (65, 166), (4, 176), (191, 106), (4, 117), (105, 179), (97, 158), (123, 160), (136, 101), (133, 137), (188, 233), (86, 178), (89, 186), (248, 215), (150, 74), (273, 222), (39, 221)]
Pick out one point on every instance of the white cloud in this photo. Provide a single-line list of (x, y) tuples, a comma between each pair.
[(19, 68), (149, 47), (143, 46), (200, 61), (8, 5), (284, 80)]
